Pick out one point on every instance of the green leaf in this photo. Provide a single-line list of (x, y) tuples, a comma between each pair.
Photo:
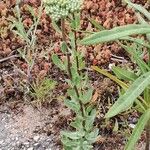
[(72, 93), (90, 120), (112, 77), (77, 123), (87, 96), (63, 47), (96, 24), (124, 74), (138, 130), (116, 126), (131, 50), (92, 136), (73, 104), (73, 135), (85, 146), (115, 34), (127, 99), (68, 144), (58, 62), (140, 8), (136, 40), (75, 24), (119, 82), (56, 27), (142, 21)]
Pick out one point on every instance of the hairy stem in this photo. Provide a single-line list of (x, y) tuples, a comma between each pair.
[(68, 54), (69, 63), (147, 147), (76, 46)]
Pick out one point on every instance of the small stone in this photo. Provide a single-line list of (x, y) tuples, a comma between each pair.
[(26, 143), (1, 142), (36, 138), (30, 148), (132, 125)]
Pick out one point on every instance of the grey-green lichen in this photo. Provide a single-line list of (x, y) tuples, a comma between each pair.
[(61, 8)]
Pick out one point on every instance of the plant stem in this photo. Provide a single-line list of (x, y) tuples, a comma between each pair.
[(147, 147), (69, 64), (68, 54), (76, 47)]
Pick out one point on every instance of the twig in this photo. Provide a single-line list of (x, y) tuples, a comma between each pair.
[(7, 58)]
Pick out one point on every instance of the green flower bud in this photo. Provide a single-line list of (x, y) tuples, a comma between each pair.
[(61, 8)]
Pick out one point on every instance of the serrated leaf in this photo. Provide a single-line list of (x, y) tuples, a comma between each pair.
[(124, 74), (138, 130), (87, 96), (92, 136), (72, 104), (58, 62), (73, 135), (68, 144), (77, 123), (127, 99), (115, 34)]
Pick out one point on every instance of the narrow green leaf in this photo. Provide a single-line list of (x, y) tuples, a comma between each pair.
[(138, 130), (131, 50), (115, 33), (120, 83), (142, 21), (96, 24), (112, 77), (56, 27), (58, 62), (127, 99), (139, 8), (136, 40), (124, 74)]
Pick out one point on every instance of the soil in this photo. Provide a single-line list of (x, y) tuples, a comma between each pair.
[(24, 125)]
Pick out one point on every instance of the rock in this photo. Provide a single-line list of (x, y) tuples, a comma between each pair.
[(30, 148), (36, 138), (1, 142)]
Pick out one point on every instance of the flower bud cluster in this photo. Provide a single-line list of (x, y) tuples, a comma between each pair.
[(61, 8)]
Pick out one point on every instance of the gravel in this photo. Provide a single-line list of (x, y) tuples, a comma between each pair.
[(17, 131)]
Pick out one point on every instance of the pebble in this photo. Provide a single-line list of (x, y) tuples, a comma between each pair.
[(36, 138), (13, 138), (30, 148), (1, 142)]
